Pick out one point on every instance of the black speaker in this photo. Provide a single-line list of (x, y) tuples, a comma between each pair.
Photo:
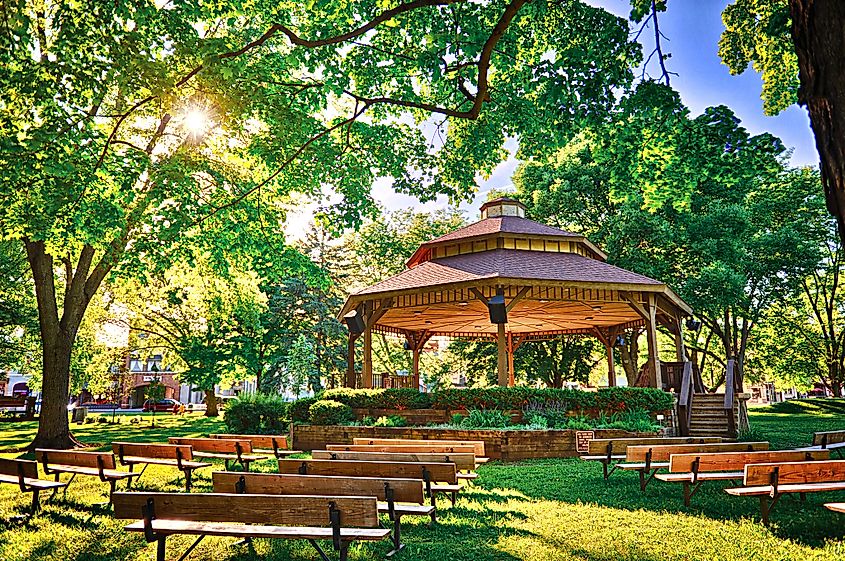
[(620, 341), (497, 308), (406, 345), (693, 324), (354, 322)]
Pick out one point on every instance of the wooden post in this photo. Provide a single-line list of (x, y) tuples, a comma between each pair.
[(511, 369), (503, 356), (680, 350), (415, 353), (611, 367), (367, 367), (655, 376), (350, 361)]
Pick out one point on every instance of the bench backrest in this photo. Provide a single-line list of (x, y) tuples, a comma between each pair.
[(463, 462), (732, 461), (662, 453), (403, 490), (11, 401), (263, 441), (28, 468), (214, 445), (794, 472), (75, 458), (438, 472), (403, 448), (828, 437), (477, 444), (157, 451), (356, 512), (619, 446)]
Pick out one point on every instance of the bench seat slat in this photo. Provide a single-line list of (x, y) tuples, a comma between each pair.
[(168, 527), (407, 509), (164, 462), (603, 458), (227, 456), (702, 476), (835, 507), (81, 470), (641, 465), (445, 488), (787, 488), (35, 483)]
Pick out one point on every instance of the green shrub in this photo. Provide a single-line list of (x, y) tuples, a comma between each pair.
[(486, 419), (368, 421), (256, 413), (298, 410), (391, 421), (556, 402), (330, 412)]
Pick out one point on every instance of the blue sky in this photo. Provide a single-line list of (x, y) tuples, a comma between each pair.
[(693, 28)]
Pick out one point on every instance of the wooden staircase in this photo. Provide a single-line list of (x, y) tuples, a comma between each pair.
[(709, 416)]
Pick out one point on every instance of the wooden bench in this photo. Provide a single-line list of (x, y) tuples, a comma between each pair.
[(264, 443), (478, 445), (339, 519), (236, 450), (409, 449), (693, 470), (835, 507), (24, 474), (27, 403), (771, 481), (610, 451), (179, 456), (74, 462), (833, 440), (438, 477), (393, 494), (648, 460), (463, 462)]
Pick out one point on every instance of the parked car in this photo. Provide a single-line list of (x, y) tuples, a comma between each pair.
[(161, 405)]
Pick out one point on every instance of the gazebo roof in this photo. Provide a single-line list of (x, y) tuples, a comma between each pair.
[(555, 282)]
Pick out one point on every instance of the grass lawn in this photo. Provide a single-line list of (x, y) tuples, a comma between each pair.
[(537, 510)]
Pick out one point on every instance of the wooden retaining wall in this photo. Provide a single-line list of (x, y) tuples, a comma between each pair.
[(506, 445)]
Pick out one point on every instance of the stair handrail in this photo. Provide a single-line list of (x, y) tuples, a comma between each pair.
[(685, 400), (730, 369)]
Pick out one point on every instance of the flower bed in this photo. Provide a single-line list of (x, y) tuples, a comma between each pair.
[(505, 445)]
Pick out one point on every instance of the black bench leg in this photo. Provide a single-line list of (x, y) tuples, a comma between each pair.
[(454, 497), (160, 548), (397, 536), (188, 480), (112, 483), (604, 470), (433, 518), (344, 551), (686, 494), (36, 503), (764, 509), (246, 466), (803, 496)]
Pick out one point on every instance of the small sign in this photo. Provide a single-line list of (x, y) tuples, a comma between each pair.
[(152, 378), (582, 440)]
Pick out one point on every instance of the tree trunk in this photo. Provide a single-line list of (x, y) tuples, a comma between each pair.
[(820, 45), (53, 427), (211, 404)]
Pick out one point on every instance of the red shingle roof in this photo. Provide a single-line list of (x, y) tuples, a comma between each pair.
[(502, 224), (508, 263)]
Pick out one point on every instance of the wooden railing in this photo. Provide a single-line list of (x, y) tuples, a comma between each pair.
[(685, 395), (387, 381), (730, 387)]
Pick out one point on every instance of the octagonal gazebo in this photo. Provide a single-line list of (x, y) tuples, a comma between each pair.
[(553, 282)]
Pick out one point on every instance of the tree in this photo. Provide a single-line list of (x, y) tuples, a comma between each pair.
[(197, 317), (551, 363), (798, 47), (696, 202), (126, 126), (804, 339)]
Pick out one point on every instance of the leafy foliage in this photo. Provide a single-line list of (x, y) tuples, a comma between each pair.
[(514, 398), (757, 34), (256, 413), (329, 412)]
